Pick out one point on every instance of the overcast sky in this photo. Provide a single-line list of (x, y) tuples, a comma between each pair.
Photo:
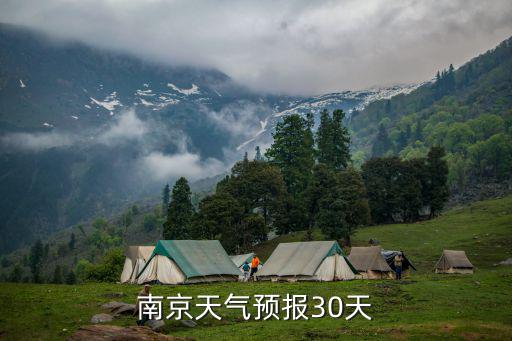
[(296, 47)]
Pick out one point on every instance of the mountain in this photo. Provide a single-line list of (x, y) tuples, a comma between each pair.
[(468, 111), (86, 132)]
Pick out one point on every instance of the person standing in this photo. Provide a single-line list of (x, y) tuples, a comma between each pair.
[(246, 268), (398, 265), (254, 266)]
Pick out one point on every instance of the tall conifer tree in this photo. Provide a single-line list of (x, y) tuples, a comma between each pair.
[(180, 211)]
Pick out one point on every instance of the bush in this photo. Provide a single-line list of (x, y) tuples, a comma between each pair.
[(150, 222), (81, 269), (108, 270)]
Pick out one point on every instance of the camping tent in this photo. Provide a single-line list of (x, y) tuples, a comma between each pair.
[(389, 256), (136, 258), (240, 259), (188, 261), (370, 262), (308, 261), (452, 261)]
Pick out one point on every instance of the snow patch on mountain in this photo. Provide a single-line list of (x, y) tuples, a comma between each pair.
[(110, 102), (263, 125), (361, 99), (192, 91), (164, 102), (346, 100)]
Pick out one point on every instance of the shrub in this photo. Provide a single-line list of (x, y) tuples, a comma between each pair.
[(109, 269)]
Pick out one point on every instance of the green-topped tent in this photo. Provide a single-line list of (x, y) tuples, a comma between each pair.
[(188, 261), (308, 261)]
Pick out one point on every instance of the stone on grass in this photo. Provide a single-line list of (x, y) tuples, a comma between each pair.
[(124, 309), (506, 262), (112, 305), (155, 325), (100, 318), (189, 323)]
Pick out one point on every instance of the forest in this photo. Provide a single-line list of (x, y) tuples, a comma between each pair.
[(467, 111)]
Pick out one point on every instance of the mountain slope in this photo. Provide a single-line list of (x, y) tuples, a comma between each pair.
[(85, 132), (468, 111)]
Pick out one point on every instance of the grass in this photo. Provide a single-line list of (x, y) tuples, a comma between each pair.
[(424, 306)]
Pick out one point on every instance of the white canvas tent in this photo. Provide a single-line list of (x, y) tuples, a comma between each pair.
[(188, 261), (370, 262), (454, 262), (136, 258), (240, 259), (307, 261)]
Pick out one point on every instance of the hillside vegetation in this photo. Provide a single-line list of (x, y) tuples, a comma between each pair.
[(468, 111), (425, 305), (482, 229)]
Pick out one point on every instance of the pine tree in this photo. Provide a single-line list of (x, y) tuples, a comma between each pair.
[(57, 275), (450, 79), (388, 107), (437, 185), (36, 261), (293, 152), (180, 211), (382, 143), (70, 277), (340, 141), (166, 193), (324, 139), (258, 156), (72, 241), (418, 132), (16, 274)]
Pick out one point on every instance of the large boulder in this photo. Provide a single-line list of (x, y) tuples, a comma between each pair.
[(100, 318), (124, 309), (116, 333)]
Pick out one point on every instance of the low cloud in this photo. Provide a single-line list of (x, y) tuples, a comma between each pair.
[(161, 154), (163, 167), (37, 141), (240, 120), (127, 127)]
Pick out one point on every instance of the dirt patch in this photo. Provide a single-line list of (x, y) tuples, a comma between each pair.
[(447, 328), (398, 334), (472, 336)]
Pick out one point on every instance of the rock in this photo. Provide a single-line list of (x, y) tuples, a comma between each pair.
[(100, 318), (156, 325), (115, 333), (113, 305), (188, 323), (506, 262), (124, 309), (374, 241)]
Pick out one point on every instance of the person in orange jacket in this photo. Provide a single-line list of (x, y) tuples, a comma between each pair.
[(254, 266)]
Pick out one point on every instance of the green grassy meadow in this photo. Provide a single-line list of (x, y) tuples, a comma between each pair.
[(423, 306)]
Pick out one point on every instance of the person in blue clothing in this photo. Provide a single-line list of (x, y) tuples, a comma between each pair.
[(246, 267)]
